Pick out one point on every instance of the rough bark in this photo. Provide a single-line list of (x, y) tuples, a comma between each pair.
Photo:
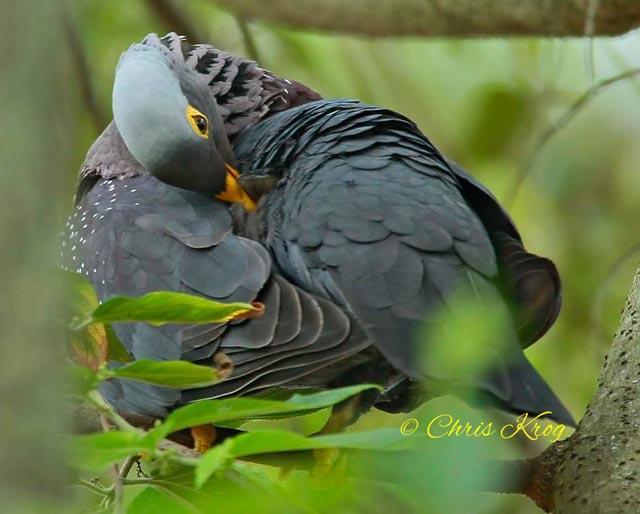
[(599, 472), (446, 18)]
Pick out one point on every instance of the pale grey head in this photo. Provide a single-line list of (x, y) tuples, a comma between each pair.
[(167, 117)]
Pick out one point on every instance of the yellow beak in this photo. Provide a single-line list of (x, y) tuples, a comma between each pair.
[(233, 192)]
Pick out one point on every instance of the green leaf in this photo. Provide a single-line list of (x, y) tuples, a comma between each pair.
[(381, 439), (171, 491), (273, 441), (82, 379), (96, 451), (180, 374), (154, 500), (329, 397), (91, 345), (472, 336), (115, 349), (232, 409), (217, 458), (88, 345), (162, 307)]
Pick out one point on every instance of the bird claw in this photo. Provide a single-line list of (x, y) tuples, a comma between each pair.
[(223, 364), (325, 461), (203, 437)]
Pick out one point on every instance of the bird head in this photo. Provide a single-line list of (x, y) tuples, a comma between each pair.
[(168, 118)]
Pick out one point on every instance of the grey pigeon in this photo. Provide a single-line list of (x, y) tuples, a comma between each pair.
[(148, 217), (362, 218)]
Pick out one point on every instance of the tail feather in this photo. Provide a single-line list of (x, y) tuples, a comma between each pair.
[(522, 389)]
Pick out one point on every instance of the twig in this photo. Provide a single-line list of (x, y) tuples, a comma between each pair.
[(118, 491), (119, 481), (167, 12), (589, 27), (569, 114), (249, 41), (102, 491), (106, 410), (127, 465), (83, 72)]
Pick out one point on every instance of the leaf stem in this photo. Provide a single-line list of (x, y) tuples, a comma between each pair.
[(127, 465), (98, 401), (137, 481), (119, 481), (118, 491), (77, 327), (102, 491)]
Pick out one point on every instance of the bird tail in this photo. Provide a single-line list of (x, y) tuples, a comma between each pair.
[(519, 388)]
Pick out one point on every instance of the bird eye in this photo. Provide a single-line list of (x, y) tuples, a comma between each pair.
[(198, 122), (201, 123)]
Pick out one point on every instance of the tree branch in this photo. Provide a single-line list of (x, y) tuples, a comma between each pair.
[(175, 19), (601, 467), (597, 469), (576, 107), (444, 18), (249, 42), (83, 72)]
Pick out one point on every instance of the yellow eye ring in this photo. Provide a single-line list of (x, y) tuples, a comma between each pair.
[(198, 121)]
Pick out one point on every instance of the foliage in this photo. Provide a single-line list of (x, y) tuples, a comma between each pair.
[(179, 480), (484, 103)]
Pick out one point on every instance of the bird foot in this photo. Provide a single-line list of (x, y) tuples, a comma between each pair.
[(223, 364), (325, 461), (330, 459), (286, 471), (203, 437)]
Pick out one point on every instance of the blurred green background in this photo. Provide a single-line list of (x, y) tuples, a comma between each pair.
[(484, 103)]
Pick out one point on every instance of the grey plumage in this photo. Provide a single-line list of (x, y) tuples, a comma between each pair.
[(244, 93), (368, 214), (131, 234), (346, 224), (137, 235)]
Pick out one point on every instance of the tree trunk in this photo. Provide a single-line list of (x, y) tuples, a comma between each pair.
[(598, 470), (445, 18), (37, 135)]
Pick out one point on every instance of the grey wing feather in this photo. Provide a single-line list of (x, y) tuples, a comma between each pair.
[(328, 338), (370, 215), (532, 282), (139, 235), (379, 267)]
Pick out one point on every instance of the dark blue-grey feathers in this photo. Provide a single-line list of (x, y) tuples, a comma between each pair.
[(368, 214)]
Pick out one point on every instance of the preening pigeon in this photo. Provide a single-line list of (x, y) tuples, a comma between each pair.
[(362, 232)]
